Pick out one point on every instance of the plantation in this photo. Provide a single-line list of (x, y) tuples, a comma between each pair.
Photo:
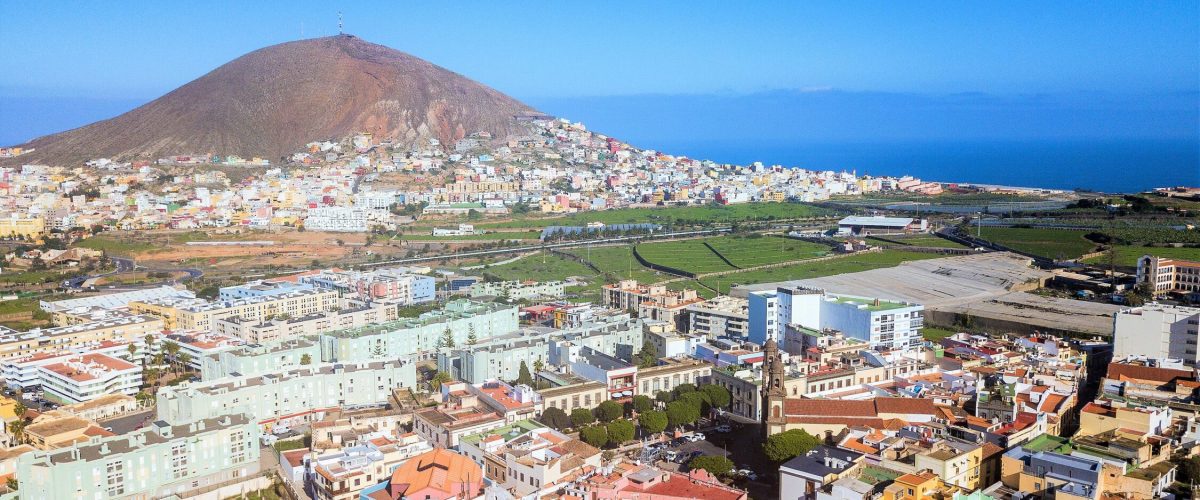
[(688, 255), (1128, 255), (547, 267), (1050, 243), (751, 251), (618, 263)]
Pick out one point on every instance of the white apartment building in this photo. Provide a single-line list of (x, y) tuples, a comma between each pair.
[(882, 323), (518, 290), (83, 378), (722, 316), (289, 397), (219, 456), (23, 373), (337, 219), (268, 330), (1169, 275), (1157, 331)]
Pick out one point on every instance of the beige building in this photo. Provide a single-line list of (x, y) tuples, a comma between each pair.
[(567, 398), (1169, 275), (671, 373), (199, 314), (652, 302), (132, 328)]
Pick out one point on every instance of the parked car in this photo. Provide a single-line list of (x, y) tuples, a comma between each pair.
[(724, 428), (699, 436), (280, 430), (748, 474), (670, 455)]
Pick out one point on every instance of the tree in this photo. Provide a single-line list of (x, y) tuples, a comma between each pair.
[(595, 435), (471, 339), (653, 421), (438, 379), (684, 389), (717, 466), (620, 431), (648, 356), (132, 350), (523, 376), (17, 429), (306, 359), (788, 445), (608, 411), (537, 368), (12, 483), (681, 413), (447, 340), (664, 396), (581, 417), (556, 418), (718, 396), (1189, 470), (171, 348), (642, 403), (696, 400), (184, 358)]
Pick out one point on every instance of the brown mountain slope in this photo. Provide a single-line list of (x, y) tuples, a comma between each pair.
[(272, 101)]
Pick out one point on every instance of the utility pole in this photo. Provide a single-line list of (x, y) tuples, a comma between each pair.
[(340, 30)]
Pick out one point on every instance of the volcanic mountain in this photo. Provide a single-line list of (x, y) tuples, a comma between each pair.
[(272, 101)]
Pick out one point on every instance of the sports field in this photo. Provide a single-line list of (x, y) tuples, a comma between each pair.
[(1050, 243)]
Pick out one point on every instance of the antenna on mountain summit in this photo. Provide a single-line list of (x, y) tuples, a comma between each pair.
[(340, 32)]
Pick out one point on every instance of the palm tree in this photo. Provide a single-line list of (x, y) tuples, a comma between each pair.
[(172, 349), (537, 368), (184, 358), (132, 351)]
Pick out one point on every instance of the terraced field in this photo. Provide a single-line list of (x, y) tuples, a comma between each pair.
[(1049, 243), (688, 255), (749, 251), (618, 262)]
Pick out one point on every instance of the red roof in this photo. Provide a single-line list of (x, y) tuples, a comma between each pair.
[(1125, 371)]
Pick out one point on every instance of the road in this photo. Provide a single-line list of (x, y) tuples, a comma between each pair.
[(129, 423), (124, 265)]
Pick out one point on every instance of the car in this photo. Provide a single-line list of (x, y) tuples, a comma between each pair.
[(748, 474), (724, 428), (699, 436), (670, 455), (280, 430)]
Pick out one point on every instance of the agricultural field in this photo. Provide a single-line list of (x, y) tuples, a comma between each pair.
[(541, 267), (1050, 243), (1128, 255), (688, 215), (490, 236), (920, 240), (803, 270), (755, 250), (686, 255), (618, 262), (116, 245)]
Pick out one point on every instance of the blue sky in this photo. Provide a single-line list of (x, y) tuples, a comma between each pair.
[(71, 63)]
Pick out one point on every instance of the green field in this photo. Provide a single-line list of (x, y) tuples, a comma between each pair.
[(934, 334), (688, 215), (752, 251), (1128, 255), (618, 262), (511, 235), (1050, 243), (920, 240), (686, 255), (804, 270), (540, 267)]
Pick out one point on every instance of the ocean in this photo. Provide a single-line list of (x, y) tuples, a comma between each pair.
[(1106, 165)]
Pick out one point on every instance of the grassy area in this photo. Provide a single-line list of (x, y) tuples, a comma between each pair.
[(751, 251), (920, 240), (1128, 255), (686, 255), (688, 215), (804, 270), (618, 261), (1050, 243), (36, 277), (541, 267), (934, 334), (19, 305)]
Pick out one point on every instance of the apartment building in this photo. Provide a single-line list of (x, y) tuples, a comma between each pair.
[(260, 288), (1167, 276), (23, 373), (618, 376), (14, 225), (461, 414), (527, 459), (569, 392), (721, 316), (652, 302), (344, 473), (80, 337), (393, 286), (289, 396), (219, 455), (420, 337), (195, 347), (78, 379), (257, 359), (258, 331), (671, 373), (881, 323), (337, 219), (111, 301), (1157, 331), (200, 315), (518, 290)]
